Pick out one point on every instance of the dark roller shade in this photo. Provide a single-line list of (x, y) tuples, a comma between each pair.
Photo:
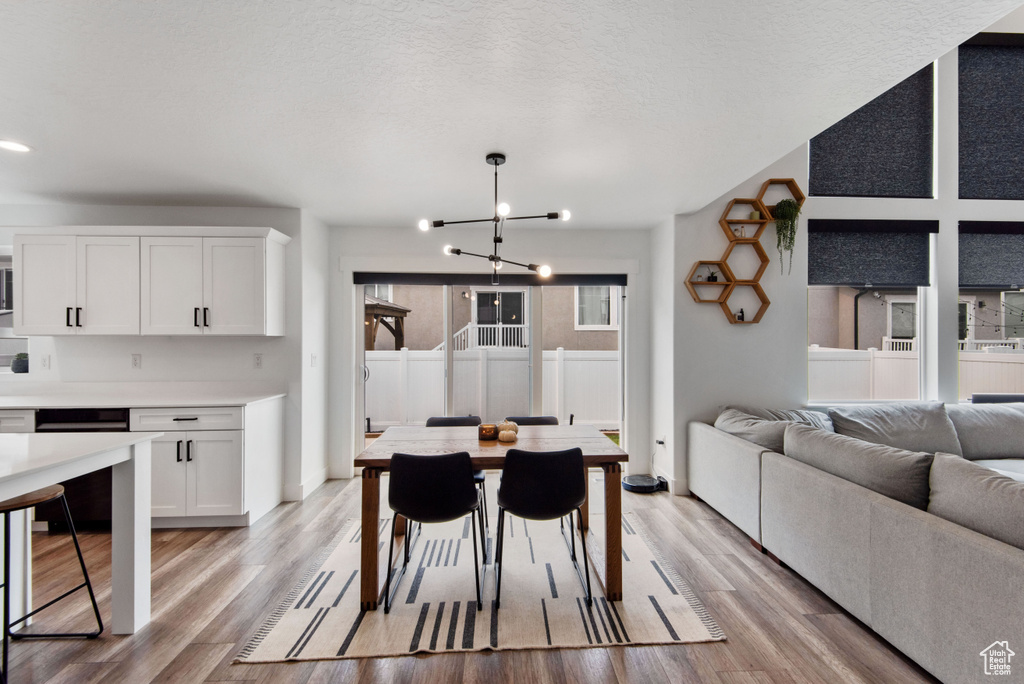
[(518, 279), (875, 253), (992, 255), (991, 120), (884, 149)]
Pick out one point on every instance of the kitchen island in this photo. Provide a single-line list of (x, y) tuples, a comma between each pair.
[(31, 461)]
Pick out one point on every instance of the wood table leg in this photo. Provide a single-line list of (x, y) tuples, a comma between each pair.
[(585, 508), (613, 531), (369, 580), (130, 532), (399, 525)]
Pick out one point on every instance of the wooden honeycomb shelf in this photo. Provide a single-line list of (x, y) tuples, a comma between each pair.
[(734, 227)]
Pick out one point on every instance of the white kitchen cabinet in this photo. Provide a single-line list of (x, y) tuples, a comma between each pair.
[(68, 285), (198, 473), (212, 286), (17, 420)]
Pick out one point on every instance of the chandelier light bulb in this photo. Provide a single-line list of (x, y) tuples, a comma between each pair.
[(447, 250), (12, 146), (504, 209), (497, 265), (566, 215), (424, 225), (544, 271)]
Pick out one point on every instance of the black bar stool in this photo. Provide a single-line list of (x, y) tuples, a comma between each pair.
[(20, 503)]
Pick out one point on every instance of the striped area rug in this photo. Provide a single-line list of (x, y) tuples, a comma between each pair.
[(543, 603)]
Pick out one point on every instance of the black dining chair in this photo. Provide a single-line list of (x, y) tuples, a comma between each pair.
[(479, 476), (534, 420), (431, 488), (544, 485)]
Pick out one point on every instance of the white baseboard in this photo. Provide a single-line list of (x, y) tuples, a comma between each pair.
[(673, 487), (201, 521)]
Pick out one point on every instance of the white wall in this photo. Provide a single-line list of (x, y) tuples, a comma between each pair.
[(716, 363), (663, 320), (315, 248), (167, 359), (408, 250)]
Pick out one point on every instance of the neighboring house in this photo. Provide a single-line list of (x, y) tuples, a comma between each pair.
[(887, 319), (577, 318)]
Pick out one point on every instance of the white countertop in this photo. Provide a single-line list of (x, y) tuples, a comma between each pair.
[(30, 395), (22, 454)]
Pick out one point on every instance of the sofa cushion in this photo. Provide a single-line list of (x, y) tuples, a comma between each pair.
[(769, 428), (914, 426), (977, 498), (1010, 467), (896, 473), (989, 430), (818, 419)]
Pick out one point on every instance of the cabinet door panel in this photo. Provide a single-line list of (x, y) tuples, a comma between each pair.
[(169, 476), (108, 285), (234, 285), (215, 473), (44, 284), (172, 285)]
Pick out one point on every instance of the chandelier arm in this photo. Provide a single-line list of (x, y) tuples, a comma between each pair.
[(484, 220), (516, 263), (549, 215), (482, 256)]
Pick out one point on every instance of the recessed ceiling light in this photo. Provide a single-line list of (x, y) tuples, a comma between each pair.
[(12, 146)]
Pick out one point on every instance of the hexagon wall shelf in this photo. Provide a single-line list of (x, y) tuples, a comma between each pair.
[(744, 234)]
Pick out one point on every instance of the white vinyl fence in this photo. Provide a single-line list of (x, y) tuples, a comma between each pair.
[(407, 387), (866, 375)]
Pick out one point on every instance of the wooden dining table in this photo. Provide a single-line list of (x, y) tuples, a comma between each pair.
[(598, 452)]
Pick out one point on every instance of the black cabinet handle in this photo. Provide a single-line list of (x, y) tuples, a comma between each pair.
[(78, 317), (206, 317), (67, 317), (195, 317), (188, 450), (179, 451), (183, 419)]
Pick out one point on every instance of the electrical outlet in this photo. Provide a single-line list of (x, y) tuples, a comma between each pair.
[(312, 360), (46, 361), (257, 361), (137, 361)]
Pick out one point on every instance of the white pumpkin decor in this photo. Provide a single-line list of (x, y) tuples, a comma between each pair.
[(508, 425), (506, 436)]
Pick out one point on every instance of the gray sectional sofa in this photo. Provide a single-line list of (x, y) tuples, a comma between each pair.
[(911, 517)]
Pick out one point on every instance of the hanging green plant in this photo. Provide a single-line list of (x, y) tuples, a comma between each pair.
[(785, 215)]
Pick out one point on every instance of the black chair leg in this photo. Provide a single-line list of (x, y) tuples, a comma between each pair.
[(483, 534), (476, 568), (391, 566), (497, 556), (7, 591), (586, 562)]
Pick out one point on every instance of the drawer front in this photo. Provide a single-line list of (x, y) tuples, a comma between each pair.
[(177, 419), (18, 420)]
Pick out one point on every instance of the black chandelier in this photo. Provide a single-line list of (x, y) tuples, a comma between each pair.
[(501, 214)]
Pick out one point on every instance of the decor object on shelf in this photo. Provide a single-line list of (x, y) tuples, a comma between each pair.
[(501, 214), (759, 215), (20, 363), (785, 214)]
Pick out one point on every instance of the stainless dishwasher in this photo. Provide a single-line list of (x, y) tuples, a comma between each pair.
[(88, 496)]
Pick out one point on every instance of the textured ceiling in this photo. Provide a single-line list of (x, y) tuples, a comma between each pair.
[(380, 113)]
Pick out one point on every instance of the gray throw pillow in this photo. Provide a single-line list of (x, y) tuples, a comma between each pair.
[(816, 419), (914, 426), (989, 430), (896, 473), (977, 498), (766, 433)]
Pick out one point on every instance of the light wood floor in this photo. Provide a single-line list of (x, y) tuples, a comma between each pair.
[(212, 588)]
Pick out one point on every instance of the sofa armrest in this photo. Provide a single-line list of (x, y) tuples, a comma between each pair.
[(725, 471)]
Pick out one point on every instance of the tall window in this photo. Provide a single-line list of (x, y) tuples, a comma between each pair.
[(597, 307), (902, 318)]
